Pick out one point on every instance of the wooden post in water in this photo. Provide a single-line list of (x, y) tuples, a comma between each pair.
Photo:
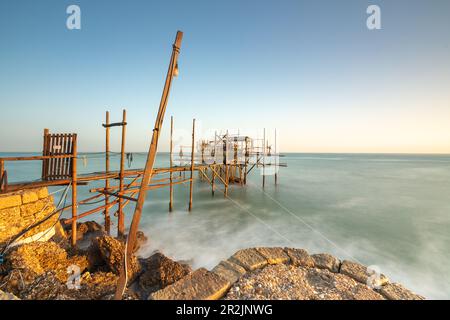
[(225, 147), (147, 175), (264, 159), (191, 185), (74, 191), (44, 153), (246, 160), (213, 173), (171, 165), (121, 219), (2, 169), (107, 218), (276, 158)]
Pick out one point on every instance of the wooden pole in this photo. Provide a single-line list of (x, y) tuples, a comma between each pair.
[(276, 158), (191, 185), (107, 218), (171, 165), (225, 150), (213, 174), (74, 191), (121, 219), (264, 159), (44, 153), (2, 168), (246, 160), (148, 168)]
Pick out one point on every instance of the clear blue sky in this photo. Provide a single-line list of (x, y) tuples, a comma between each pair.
[(310, 68)]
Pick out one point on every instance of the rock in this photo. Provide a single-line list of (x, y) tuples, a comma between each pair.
[(85, 230), (47, 286), (160, 272), (42, 193), (250, 259), (326, 261), (7, 296), (111, 252), (199, 285), (395, 291), (29, 196), (31, 260), (60, 234), (300, 257), (229, 271), (360, 273), (10, 200), (273, 255), (88, 230), (19, 210), (141, 239), (99, 285), (289, 282)]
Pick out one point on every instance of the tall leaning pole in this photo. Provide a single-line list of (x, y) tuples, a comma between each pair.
[(131, 239)]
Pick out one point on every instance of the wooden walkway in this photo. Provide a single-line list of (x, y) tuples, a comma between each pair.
[(84, 179)]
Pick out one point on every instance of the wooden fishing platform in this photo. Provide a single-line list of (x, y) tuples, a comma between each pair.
[(224, 160)]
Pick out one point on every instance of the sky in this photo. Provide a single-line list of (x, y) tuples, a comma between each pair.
[(311, 69)]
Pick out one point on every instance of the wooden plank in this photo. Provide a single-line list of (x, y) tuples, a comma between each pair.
[(74, 219), (31, 158), (115, 124), (118, 195)]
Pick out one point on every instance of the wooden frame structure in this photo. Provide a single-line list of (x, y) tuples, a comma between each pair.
[(226, 159)]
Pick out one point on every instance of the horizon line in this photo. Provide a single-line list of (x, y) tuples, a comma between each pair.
[(281, 152)]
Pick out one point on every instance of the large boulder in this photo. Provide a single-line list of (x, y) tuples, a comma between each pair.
[(250, 259), (229, 271), (160, 272), (48, 286), (289, 282), (395, 291), (273, 255), (362, 274), (300, 257), (108, 251), (85, 230), (96, 286), (326, 261), (199, 285), (26, 262)]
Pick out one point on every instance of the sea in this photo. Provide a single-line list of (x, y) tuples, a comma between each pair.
[(388, 211)]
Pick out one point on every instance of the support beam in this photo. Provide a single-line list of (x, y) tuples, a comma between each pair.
[(191, 185), (121, 219), (171, 165), (106, 212), (276, 159), (264, 159), (74, 191)]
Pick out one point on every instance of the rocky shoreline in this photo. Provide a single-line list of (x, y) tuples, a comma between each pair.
[(42, 271)]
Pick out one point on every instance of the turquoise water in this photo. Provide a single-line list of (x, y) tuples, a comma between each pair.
[(392, 211)]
